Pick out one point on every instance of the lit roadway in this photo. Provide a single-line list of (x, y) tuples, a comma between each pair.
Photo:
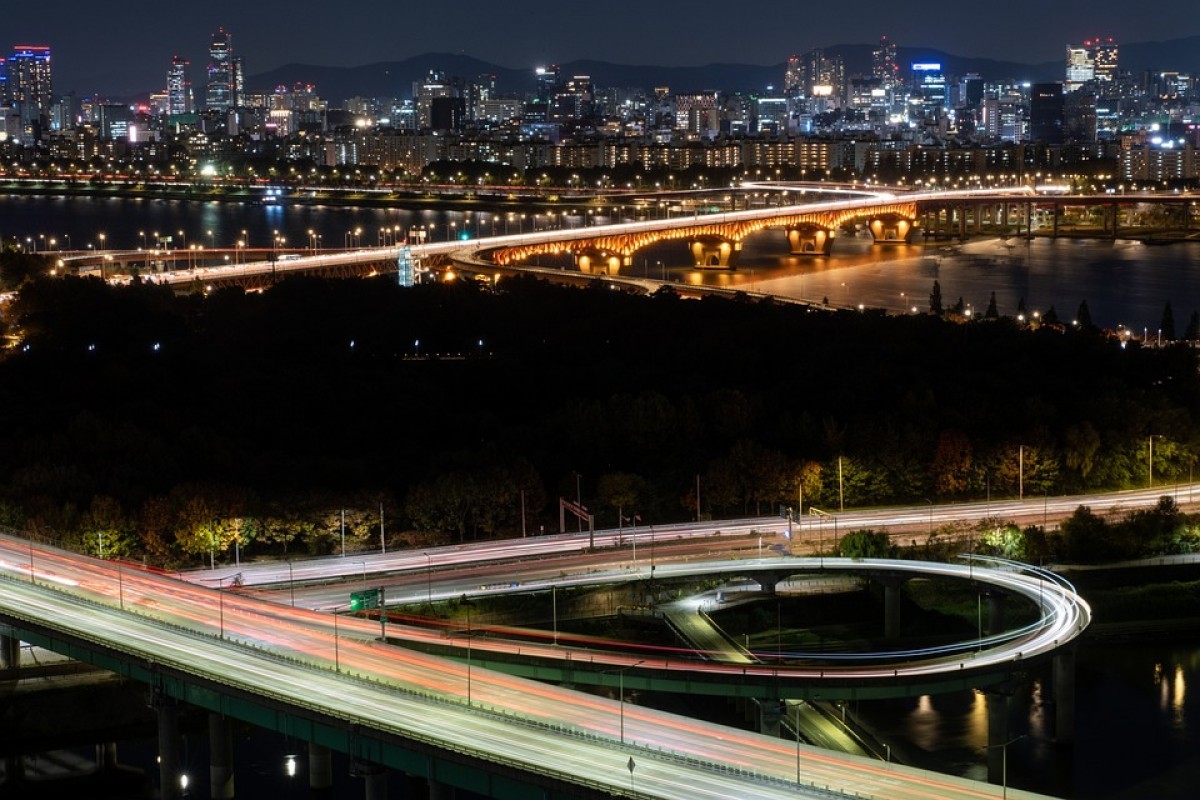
[(858, 199), (815, 531), (333, 667)]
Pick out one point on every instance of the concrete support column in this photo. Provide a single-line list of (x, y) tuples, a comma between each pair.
[(14, 770), (106, 756), (1064, 696), (770, 713), (415, 787), (320, 770), (1116, 220), (168, 748), (10, 652), (220, 758), (374, 779), (891, 610), (995, 613), (997, 720), (440, 791)]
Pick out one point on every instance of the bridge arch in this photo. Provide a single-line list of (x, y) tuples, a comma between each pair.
[(715, 243)]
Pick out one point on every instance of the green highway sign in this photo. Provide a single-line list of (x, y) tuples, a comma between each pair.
[(364, 600)]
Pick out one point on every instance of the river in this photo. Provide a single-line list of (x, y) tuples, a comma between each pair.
[(1124, 283)]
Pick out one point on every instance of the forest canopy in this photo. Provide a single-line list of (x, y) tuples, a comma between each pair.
[(170, 427)]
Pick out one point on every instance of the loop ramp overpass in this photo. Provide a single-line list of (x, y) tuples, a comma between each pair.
[(333, 684)]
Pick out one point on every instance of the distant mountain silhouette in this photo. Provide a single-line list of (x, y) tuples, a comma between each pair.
[(396, 78)]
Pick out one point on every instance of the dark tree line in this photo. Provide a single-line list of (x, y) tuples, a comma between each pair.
[(177, 426)]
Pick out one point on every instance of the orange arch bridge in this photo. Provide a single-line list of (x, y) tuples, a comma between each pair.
[(716, 244)]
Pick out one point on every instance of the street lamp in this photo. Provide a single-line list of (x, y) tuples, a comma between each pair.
[(1150, 460), (1004, 763), (621, 691), (428, 580), (221, 603)]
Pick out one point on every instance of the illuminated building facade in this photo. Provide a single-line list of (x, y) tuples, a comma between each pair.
[(883, 63), (29, 89), (221, 93), (1094, 60), (179, 88)]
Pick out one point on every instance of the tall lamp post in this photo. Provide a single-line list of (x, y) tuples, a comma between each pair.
[(1004, 763), (1150, 460), (428, 580), (621, 692)]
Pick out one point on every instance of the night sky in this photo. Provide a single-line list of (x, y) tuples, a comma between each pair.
[(120, 48)]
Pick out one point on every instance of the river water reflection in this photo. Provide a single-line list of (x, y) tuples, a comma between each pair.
[(1123, 282), (1137, 729)]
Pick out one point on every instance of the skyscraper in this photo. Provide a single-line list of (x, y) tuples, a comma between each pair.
[(1104, 56), (221, 94), (884, 65), (824, 75), (793, 78), (179, 88), (1094, 60), (1047, 113), (29, 88)]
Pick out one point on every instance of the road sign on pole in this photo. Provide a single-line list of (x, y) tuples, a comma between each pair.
[(364, 600)]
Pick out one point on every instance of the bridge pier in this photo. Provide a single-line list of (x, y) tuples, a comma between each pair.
[(1064, 695), (810, 240), (440, 791), (106, 757), (891, 230), (10, 652), (320, 771), (997, 721), (374, 779), (892, 598), (769, 714), (168, 747), (220, 757), (996, 603), (14, 770), (713, 252)]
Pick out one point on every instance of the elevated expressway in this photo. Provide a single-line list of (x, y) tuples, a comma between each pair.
[(328, 681)]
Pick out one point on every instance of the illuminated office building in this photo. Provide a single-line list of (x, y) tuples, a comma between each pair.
[(179, 88), (1094, 60), (29, 88), (221, 94)]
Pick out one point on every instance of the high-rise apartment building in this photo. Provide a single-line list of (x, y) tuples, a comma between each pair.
[(436, 85), (29, 88), (793, 78), (221, 92), (824, 75), (179, 88)]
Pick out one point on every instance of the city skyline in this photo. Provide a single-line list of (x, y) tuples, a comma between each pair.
[(668, 34)]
